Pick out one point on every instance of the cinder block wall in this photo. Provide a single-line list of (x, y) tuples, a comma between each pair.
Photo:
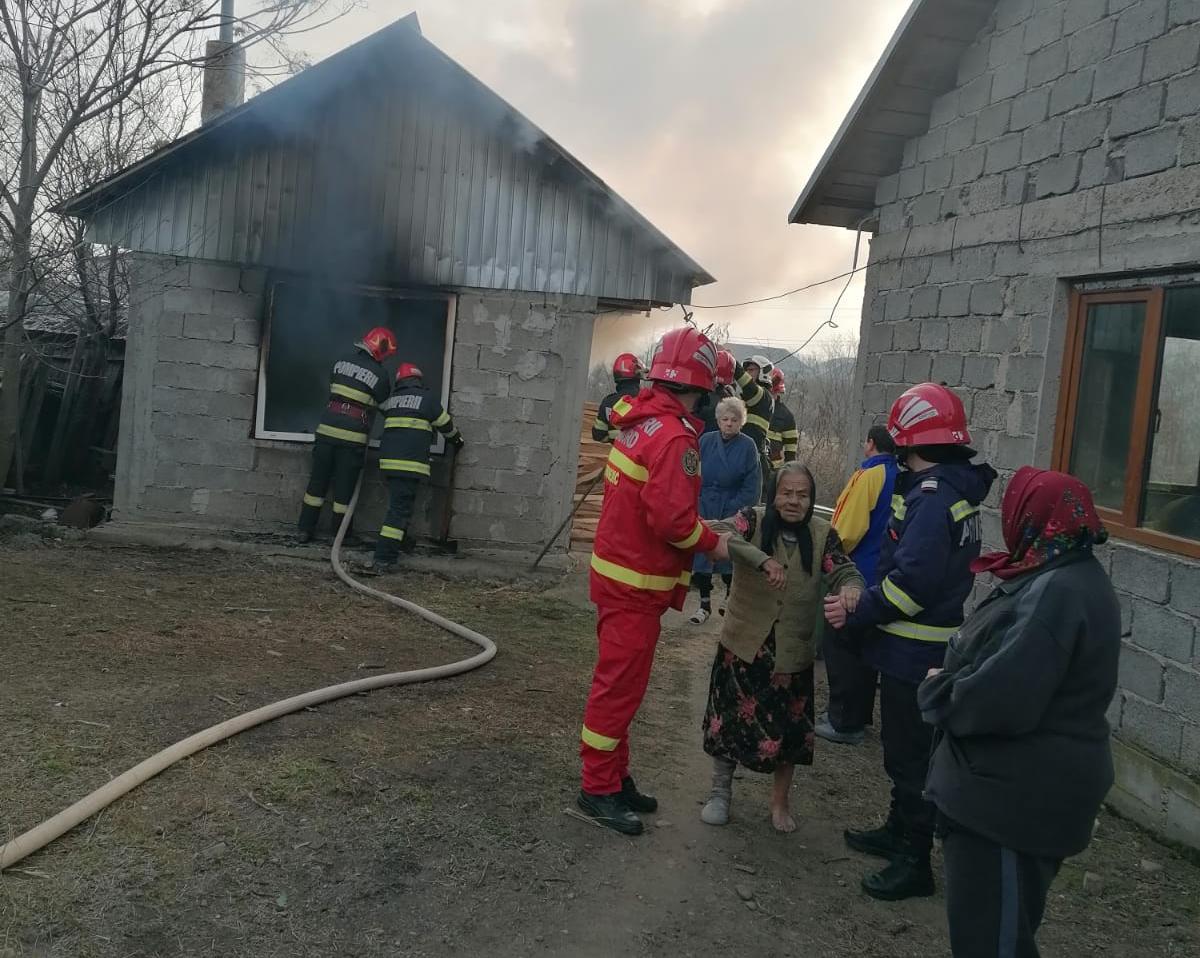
[(1070, 147), (187, 454)]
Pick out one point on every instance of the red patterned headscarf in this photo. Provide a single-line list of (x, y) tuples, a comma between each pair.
[(1044, 515)]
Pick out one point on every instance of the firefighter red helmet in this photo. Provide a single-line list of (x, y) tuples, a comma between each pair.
[(685, 357), (778, 385), (725, 363), (408, 371), (628, 366), (929, 415), (380, 343)]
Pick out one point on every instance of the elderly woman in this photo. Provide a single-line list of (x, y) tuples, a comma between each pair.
[(1021, 760), (760, 697), (730, 481)]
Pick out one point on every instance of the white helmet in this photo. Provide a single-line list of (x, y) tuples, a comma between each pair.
[(765, 366)]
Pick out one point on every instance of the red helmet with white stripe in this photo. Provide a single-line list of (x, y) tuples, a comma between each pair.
[(685, 357), (929, 415), (380, 343), (778, 385), (628, 366), (408, 371), (725, 363)]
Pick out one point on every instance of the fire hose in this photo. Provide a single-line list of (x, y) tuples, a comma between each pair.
[(42, 835)]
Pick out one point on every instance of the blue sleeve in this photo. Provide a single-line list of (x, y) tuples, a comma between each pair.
[(919, 566), (749, 491)]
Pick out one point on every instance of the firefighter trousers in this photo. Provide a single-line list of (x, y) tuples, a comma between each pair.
[(333, 463), (627, 641), (402, 491)]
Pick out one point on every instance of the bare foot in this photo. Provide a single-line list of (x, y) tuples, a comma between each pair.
[(781, 818)]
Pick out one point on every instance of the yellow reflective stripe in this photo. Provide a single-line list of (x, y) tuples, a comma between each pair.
[(340, 508), (598, 741), (349, 392), (620, 461), (442, 420), (899, 509), (792, 434), (622, 405), (405, 422), (600, 425), (391, 532), (685, 578), (762, 424), (348, 434), (961, 509), (900, 599), (613, 433), (692, 539), (404, 465), (314, 501), (774, 436), (639, 580), (922, 633)]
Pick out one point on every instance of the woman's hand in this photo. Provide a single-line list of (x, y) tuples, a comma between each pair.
[(835, 611), (775, 573), (850, 594), (720, 552)]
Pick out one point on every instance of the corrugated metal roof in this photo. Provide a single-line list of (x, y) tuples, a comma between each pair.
[(919, 65), (388, 163)]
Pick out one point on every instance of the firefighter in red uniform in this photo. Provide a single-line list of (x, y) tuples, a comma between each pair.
[(641, 564)]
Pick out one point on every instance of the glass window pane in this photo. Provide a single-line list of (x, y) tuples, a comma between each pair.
[(1172, 494), (1107, 387)]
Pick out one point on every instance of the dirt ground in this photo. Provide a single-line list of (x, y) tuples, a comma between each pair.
[(429, 820)]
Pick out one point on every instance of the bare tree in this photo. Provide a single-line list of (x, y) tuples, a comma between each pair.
[(68, 65)]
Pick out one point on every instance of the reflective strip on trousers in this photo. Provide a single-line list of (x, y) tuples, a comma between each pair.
[(315, 501), (340, 508), (347, 434), (598, 741), (922, 633), (391, 532)]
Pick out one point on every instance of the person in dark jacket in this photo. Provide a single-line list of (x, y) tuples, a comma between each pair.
[(723, 388), (411, 416), (783, 437), (358, 382), (627, 375), (1022, 759), (906, 619), (753, 378), (730, 481)]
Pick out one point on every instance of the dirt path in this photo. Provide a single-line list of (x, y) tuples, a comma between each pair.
[(433, 820)]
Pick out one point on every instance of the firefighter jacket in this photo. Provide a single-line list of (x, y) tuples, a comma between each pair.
[(863, 511), (760, 405), (707, 411), (411, 415), (357, 384), (924, 569), (783, 436), (649, 525), (602, 430)]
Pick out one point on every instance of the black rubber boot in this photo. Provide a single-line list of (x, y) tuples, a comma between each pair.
[(635, 799), (303, 537), (887, 841), (376, 568), (908, 875), (611, 812)]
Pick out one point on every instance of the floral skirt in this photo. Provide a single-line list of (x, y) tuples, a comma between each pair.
[(755, 716)]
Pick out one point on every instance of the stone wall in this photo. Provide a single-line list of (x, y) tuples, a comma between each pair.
[(1070, 148), (187, 452)]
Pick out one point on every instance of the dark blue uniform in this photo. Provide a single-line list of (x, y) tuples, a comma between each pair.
[(602, 429), (907, 619)]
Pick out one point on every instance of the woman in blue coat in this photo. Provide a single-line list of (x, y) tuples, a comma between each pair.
[(731, 481)]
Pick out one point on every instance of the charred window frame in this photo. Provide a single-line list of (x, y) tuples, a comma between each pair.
[(308, 326), (1128, 407)]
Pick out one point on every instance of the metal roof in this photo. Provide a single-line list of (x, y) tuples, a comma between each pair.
[(388, 163), (919, 65)]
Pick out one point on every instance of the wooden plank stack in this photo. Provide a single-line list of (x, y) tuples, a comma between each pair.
[(592, 456)]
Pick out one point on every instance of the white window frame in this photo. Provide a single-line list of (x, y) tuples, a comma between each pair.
[(451, 300)]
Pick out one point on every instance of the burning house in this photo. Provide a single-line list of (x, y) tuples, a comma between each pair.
[(383, 186)]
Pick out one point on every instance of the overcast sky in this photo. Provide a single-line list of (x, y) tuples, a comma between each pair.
[(707, 115)]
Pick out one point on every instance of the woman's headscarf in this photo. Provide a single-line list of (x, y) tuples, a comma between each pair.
[(1044, 515), (773, 522)]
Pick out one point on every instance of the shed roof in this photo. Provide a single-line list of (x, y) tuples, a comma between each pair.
[(390, 161), (919, 65)]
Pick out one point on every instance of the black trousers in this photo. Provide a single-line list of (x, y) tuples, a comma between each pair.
[(906, 746), (995, 897), (335, 463), (852, 682), (402, 492), (704, 585)]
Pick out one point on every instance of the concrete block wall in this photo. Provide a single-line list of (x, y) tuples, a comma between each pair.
[(1069, 148), (187, 451)]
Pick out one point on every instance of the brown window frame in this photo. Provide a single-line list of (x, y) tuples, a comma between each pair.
[(1123, 523)]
